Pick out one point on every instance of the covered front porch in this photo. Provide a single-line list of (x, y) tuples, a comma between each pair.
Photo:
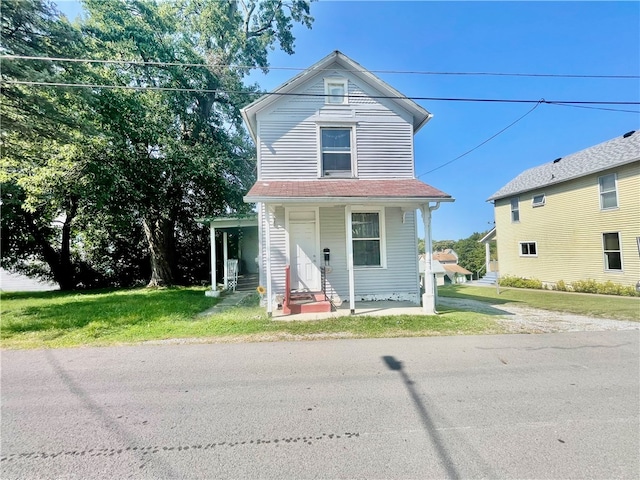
[(234, 253)]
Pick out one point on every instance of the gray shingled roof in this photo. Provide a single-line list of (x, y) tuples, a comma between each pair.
[(606, 155)]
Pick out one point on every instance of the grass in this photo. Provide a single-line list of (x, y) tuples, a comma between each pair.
[(604, 306), (99, 318)]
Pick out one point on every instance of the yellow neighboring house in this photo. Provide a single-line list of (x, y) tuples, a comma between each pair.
[(576, 218)]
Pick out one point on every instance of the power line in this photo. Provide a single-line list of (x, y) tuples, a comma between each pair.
[(253, 67), (597, 108), (317, 95), (541, 101)]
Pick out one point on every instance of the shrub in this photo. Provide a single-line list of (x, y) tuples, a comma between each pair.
[(517, 282), (606, 288), (580, 286)]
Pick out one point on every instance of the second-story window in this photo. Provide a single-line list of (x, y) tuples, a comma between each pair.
[(608, 191), (515, 209), (335, 145)]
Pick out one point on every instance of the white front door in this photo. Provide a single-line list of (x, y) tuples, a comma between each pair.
[(305, 274)]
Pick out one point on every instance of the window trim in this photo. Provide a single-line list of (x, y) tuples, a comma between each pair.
[(605, 251), (540, 203), (336, 81), (528, 242), (352, 140), (615, 190), (383, 236), (516, 209)]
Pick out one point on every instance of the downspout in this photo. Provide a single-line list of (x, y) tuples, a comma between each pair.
[(428, 297)]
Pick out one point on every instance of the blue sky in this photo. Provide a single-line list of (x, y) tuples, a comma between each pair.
[(523, 37)]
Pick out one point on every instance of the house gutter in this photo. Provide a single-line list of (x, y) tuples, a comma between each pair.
[(429, 295)]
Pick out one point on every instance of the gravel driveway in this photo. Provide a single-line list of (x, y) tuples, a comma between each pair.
[(519, 319)]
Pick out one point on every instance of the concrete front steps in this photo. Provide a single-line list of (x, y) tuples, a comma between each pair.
[(489, 279), (306, 302)]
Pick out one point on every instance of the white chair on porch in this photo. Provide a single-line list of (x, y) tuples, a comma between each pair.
[(232, 274)]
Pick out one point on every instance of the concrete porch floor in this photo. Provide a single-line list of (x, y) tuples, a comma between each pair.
[(380, 308)]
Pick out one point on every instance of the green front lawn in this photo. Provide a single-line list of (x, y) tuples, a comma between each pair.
[(604, 306), (70, 319)]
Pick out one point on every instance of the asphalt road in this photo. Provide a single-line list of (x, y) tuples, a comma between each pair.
[(512, 406)]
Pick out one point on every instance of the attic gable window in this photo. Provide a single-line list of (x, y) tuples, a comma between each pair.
[(336, 90), (608, 192)]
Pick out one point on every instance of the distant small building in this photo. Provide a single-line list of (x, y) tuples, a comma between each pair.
[(453, 273)]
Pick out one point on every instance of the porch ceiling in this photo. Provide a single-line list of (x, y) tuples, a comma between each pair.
[(345, 190)]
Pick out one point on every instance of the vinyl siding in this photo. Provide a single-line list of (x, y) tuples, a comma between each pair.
[(568, 230), (399, 281), (396, 282), (275, 228), (288, 134)]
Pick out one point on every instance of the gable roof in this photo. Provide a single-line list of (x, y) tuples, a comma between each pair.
[(420, 115), (446, 256), (346, 189), (606, 155), (455, 268)]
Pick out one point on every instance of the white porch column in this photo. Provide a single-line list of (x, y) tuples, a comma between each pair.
[(212, 230), (428, 297), (225, 256), (352, 289), (267, 238), (487, 256)]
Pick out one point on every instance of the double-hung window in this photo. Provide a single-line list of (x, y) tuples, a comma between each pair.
[(608, 191), (367, 239), (515, 210), (335, 146), (612, 251)]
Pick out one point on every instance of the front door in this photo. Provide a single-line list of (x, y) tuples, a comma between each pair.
[(305, 274)]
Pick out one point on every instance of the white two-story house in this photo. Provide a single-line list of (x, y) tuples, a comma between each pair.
[(336, 194)]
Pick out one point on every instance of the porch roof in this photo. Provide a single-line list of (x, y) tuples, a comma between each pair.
[(346, 190)]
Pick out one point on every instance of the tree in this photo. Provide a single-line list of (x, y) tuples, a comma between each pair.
[(46, 139), (97, 180), (180, 154)]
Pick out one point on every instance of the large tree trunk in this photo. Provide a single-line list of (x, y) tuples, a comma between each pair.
[(60, 264), (160, 234)]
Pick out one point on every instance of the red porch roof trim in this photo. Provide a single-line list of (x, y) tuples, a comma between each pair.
[(325, 190)]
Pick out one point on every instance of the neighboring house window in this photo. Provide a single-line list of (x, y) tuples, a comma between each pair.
[(367, 238), (612, 251), (515, 209), (608, 191), (528, 249), (335, 90), (335, 145), (538, 200)]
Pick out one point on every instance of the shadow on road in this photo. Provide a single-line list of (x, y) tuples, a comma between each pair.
[(97, 411), (430, 427)]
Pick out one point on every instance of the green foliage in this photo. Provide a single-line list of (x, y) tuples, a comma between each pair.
[(65, 319), (96, 182), (606, 288), (580, 286), (471, 254), (517, 282)]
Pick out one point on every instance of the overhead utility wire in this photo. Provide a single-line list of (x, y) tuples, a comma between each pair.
[(596, 108), (541, 101), (253, 67), (317, 95)]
